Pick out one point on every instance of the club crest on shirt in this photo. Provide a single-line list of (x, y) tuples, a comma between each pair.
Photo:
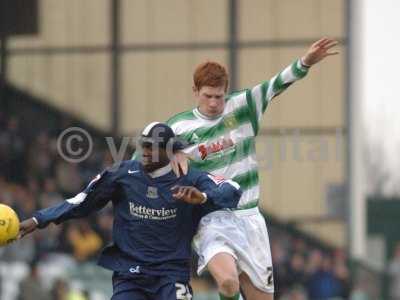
[(152, 192), (230, 121)]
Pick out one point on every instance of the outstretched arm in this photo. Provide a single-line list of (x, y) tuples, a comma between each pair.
[(99, 191), (260, 95), (318, 51)]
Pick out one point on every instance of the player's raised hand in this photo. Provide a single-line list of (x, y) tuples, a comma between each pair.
[(179, 163), (188, 194), (27, 227), (319, 50)]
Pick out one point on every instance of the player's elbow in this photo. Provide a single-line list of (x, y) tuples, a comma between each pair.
[(235, 198)]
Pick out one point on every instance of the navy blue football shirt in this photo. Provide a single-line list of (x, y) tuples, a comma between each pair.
[(152, 231)]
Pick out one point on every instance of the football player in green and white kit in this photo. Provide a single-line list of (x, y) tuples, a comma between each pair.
[(221, 130)]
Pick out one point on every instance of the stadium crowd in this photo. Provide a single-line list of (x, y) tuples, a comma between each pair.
[(33, 175)]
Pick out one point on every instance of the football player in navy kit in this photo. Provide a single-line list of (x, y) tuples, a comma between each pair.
[(155, 218)]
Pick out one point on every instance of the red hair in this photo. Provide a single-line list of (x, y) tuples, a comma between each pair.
[(211, 74)]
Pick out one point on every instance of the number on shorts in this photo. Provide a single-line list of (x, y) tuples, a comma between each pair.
[(182, 292), (270, 277)]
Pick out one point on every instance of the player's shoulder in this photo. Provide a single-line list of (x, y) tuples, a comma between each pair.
[(194, 174), (122, 168), (182, 116), (236, 94)]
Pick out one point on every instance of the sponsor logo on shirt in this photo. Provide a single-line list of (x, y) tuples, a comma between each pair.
[(152, 192), (205, 150), (144, 212)]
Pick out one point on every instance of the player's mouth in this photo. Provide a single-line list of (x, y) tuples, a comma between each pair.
[(213, 111), (147, 159)]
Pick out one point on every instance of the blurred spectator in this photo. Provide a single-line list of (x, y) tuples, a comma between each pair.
[(296, 293), (68, 178), (59, 290), (359, 293), (76, 295), (394, 272), (50, 195), (314, 262), (40, 161), (104, 225), (84, 240), (299, 246), (322, 284), (342, 273), (51, 240), (33, 187), (31, 287), (21, 250), (5, 193), (25, 202), (366, 286), (12, 153), (295, 271)]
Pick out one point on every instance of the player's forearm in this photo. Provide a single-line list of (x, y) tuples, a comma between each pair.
[(55, 214), (225, 195), (96, 195), (264, 92), (69, 209), (284, 79)]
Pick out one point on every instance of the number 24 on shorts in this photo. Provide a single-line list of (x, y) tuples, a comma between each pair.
[(183, 292), (270, 277)]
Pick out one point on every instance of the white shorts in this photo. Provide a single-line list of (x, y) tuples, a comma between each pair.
[(243, 234)]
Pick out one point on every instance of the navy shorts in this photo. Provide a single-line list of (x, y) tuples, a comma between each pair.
[(149, 288)]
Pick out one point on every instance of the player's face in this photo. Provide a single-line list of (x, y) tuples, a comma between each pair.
[(210, 100), (153, 157)]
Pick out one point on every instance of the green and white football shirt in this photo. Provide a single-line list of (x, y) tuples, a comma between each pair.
[(225, 145)]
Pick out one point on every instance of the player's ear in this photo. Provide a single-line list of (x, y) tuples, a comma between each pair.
[(164, 156), (195, 89)]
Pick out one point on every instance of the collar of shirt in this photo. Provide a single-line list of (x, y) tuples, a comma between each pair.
[(161, 171), (197, 113)]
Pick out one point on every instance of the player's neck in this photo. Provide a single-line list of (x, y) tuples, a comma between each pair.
[(160, 171), (204, 115)]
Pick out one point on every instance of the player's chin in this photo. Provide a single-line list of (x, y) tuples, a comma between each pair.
[(215, 112), (150, 166)]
